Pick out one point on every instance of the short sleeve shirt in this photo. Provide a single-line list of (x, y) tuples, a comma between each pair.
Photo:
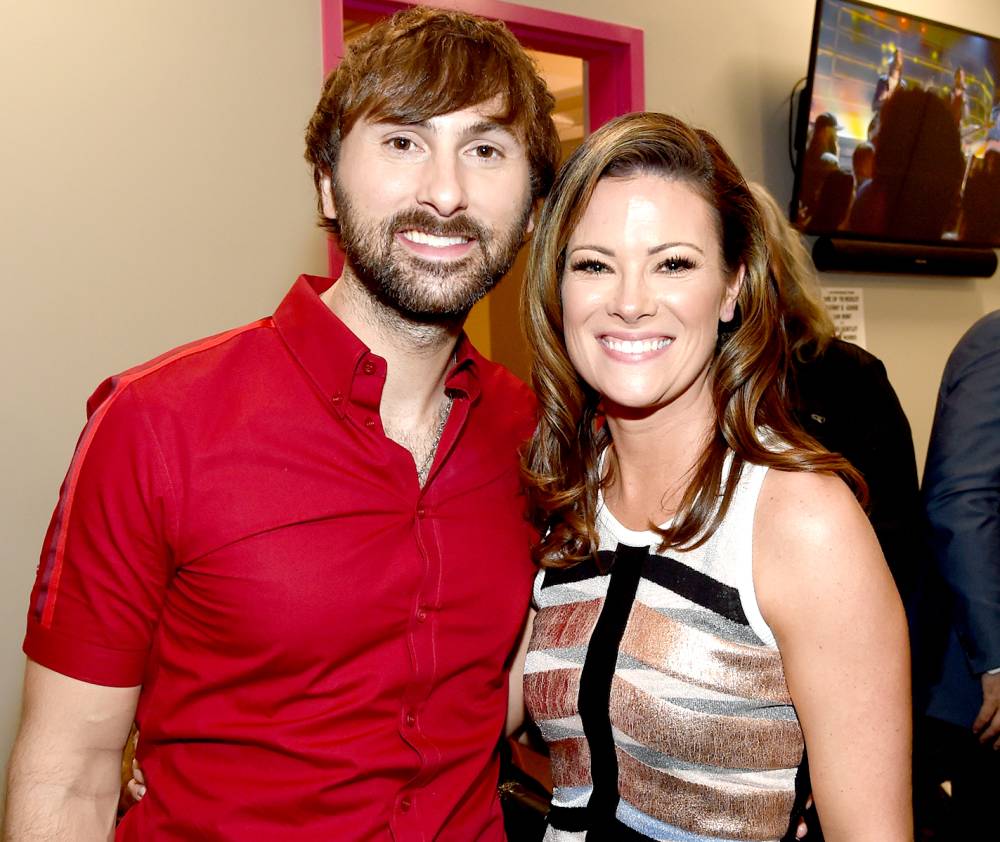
[(321, 643)]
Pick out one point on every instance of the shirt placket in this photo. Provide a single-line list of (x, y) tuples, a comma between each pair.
[(423, 640), (423, 629)]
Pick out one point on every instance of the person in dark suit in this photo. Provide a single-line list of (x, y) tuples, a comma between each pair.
[(960, 736)]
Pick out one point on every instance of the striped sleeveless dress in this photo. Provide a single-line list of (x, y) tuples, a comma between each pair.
[(660, 691)]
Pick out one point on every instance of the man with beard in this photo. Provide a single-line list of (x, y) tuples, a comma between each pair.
[(298, 546)]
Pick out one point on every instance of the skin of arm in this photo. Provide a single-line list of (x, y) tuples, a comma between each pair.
[(64, 776), (824, 589), (516, 713)]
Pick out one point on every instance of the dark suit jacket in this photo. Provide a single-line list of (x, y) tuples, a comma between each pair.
[(962, 493), (844, 400)]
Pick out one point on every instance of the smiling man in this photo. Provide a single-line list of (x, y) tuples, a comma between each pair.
[(295, 552)]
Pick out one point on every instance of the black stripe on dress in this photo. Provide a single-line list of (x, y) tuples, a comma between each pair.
[(586, 569), (576, 819), (697, 587), (595, 687)]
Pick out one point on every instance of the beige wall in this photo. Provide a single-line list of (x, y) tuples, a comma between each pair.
[(152, 191)]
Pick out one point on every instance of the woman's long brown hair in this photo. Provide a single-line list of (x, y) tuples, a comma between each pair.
[(808, 327), (561, 463)]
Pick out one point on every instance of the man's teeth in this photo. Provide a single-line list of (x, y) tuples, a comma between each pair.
[(425, 239), (636, 346)]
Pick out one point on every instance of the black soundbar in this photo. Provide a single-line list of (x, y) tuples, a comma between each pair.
[(836, 255)]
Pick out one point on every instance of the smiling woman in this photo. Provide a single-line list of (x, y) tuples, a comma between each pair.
[(689, 173), (643, 292), (713, 606)]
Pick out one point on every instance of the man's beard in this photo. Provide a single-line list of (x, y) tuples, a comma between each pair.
[(426, 290)]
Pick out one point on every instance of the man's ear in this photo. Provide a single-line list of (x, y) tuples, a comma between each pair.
[(326, 196), (536, 208), (732, 293)]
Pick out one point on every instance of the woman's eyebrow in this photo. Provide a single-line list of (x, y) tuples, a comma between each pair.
[(664, 246)]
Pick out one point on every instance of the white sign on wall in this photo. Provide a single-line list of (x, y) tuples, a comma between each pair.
[(846, 306)]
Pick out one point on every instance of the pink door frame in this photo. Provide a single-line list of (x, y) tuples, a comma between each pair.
[(614, 53)]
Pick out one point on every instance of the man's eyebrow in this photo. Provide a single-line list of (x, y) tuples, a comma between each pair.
[(480, 127), (399, 123), (487, 126)]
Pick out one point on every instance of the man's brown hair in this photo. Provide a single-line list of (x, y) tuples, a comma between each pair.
[(421, 63)]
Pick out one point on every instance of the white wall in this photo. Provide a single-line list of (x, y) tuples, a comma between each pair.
[(152, 190)]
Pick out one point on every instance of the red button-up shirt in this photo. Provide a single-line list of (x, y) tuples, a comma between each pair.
[(321, 642)]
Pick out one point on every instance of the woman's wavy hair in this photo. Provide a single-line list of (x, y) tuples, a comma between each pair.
[(561, 463), (808, 326)]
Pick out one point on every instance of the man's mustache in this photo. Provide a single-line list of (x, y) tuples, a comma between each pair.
[(456, 226)]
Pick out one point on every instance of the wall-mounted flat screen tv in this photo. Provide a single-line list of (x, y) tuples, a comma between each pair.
[(903, 135)]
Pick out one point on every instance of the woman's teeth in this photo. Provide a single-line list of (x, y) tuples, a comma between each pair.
[(636, 346)]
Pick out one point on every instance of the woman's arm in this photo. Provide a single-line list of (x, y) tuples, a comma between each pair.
[(824, 589), (515, 692)]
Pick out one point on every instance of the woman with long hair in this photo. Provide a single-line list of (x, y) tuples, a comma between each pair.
[(716, 632)]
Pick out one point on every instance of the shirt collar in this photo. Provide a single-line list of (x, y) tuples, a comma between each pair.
[(334, 357)]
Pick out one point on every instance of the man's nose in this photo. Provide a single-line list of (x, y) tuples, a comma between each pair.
[(442, 186)]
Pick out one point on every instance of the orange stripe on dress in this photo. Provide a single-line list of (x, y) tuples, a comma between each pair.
[(90, 430), (566, 626)]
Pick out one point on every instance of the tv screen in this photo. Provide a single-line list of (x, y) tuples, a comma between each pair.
[(903, 135)]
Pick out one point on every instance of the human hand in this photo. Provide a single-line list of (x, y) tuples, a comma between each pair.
[(137, 785), (135, 788), (987, 724), (803, 827)]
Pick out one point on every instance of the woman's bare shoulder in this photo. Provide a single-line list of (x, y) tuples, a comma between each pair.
[(811, 537), (807, 506)]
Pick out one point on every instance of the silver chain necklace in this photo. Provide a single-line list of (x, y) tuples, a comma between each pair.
[(425, 467)]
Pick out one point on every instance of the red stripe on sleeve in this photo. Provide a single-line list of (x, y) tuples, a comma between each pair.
[(55, 562)]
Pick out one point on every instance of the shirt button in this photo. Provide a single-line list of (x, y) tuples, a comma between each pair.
[(368, 367), (405, 803), (411, 719), (421, 615), (421, 512), (369, 422), (337, 399)]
